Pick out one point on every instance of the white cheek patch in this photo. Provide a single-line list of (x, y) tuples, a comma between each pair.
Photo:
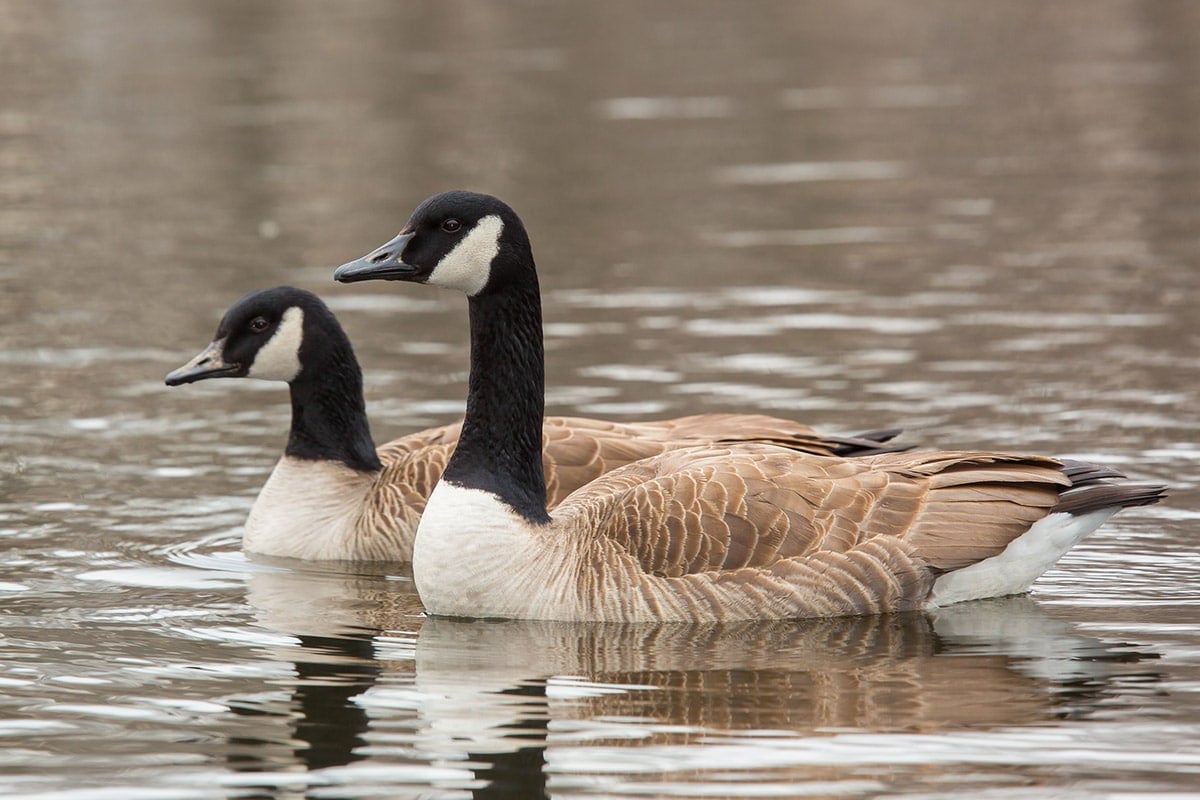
[(469, 265), (279, 358)]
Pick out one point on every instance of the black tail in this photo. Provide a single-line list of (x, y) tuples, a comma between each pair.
[(1093, 489), (870, 443)]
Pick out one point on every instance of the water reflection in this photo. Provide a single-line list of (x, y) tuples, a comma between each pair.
[(491, 706), (325, 723), (981, 665)]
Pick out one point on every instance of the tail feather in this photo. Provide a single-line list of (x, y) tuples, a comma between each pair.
[(1093, 489), (870, 443), (1091, 497), (1081, 472), (1094, 494)]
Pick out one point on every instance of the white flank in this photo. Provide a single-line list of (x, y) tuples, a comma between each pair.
[(1021, 563), (473, 556), (309, 510), (279, 358), (468, 266)]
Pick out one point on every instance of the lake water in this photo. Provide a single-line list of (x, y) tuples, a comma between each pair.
[(979, 221)]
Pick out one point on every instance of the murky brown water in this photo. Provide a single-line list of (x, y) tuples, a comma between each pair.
[(979, 221)]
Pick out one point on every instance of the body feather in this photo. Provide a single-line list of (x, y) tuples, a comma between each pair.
[(734, 532), (320, 510)]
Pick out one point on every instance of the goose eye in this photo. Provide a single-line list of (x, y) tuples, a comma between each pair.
[(451, 225), (259, 324)]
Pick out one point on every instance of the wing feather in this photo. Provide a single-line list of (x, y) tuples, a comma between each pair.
[(723, 510), (578, 450)]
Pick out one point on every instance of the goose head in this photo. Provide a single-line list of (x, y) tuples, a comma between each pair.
[(286, 334), (471, 242), (262, 335)]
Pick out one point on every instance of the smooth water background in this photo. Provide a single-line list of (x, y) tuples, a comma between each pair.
[(979, 221)]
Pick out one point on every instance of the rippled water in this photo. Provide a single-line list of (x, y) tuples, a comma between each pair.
[(978, 221)]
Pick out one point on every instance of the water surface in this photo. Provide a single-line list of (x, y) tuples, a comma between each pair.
[(975, 221)]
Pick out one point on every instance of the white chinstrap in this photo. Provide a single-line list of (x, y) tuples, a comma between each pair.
[(468, 266), (279, 358)]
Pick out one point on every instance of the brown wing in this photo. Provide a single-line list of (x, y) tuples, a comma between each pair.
[(741, 428), (971, 505), (412, 466), (574, 455), (575, 452), (416, 443), (578, 450), (718, 509), (754, 531)]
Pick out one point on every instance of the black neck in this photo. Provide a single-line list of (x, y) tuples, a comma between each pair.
[(329, 416), (500, 449)]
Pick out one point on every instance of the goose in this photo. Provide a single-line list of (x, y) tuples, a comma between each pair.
[(334, 496), (712, 533)]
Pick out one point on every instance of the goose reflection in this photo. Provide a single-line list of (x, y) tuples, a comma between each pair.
[(333, 622), (481, 705), (979, 665)]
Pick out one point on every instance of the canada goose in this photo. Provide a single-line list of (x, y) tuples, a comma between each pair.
[(710, 533), (334, 496)]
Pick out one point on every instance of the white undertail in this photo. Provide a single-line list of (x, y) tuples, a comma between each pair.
[(1021, 563)]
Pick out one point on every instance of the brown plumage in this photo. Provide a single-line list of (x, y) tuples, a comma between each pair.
[(754, 529), (576, 451), (749, 531)]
